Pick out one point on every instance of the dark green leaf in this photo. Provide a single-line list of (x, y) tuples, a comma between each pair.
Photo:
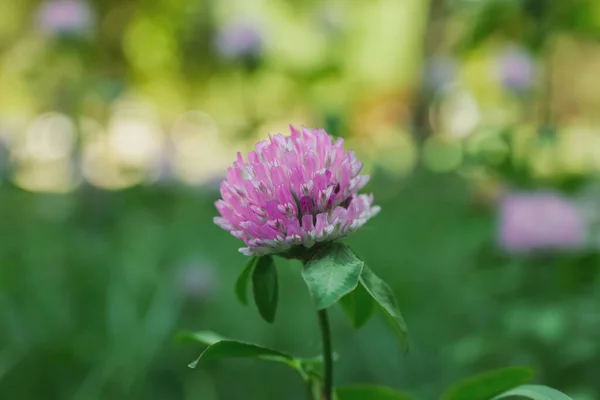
[(534, 392), (489, 384), (366, 392), (218, 347), (358, 306), (384, 297), (265, 287), (332, 273), (241, 285)]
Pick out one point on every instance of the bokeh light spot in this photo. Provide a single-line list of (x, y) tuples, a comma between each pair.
[(50, 136), (442, 155)]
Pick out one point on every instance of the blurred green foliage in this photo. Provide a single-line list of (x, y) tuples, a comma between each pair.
[(94, 284), (90, 299), (532, 22)]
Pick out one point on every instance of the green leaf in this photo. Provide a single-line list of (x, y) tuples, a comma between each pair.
[(265, 287), (358, 306), (241, 285), (203, 337), (364, 392), (384, 297), (332, 273), (219, 347), (489, 384), (534, 392)]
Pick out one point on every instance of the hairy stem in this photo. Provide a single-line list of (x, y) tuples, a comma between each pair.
[(327, 391)]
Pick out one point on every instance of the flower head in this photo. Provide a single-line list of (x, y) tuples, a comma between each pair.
[(294, 192), (540, 221)]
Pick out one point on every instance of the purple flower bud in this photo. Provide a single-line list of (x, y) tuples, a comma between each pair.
[(57, 17), (516, 69), (239, 38)]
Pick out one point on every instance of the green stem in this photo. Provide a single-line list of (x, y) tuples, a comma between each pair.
[(327, 392)]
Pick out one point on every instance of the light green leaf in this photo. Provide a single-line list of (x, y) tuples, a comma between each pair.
[(265, 287), (534, 392), (364, 392), (332, 273), (384, 297), (315, 364), (203, 337), (489, 384), (241, 285), (358, 306), (219, 347)]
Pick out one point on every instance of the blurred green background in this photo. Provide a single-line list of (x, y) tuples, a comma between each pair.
[(118, 119)]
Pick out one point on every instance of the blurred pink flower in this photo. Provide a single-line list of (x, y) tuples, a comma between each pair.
[(293, 192), (65, 16), (198, 280), (540, 221), (239, 38), (516, 69)]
